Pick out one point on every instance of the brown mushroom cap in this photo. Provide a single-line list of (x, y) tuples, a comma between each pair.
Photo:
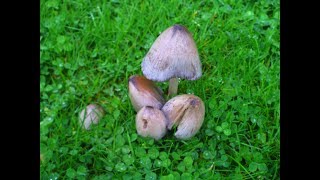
[(151, 122), (144, 92), (187, 111), (173, 55)]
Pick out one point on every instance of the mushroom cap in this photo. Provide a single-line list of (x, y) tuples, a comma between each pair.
[(187, 111), (144, 92), (173, 55), (90, 115), (151, 122)]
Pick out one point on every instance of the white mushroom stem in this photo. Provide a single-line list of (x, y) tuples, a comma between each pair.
[(173, 86)]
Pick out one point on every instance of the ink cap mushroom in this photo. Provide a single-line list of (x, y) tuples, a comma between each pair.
[(144, 92), (151, 122), (90, 115), (185, 111), (173, 55)]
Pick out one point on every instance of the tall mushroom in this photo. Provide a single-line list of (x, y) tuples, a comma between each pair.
[(143, 92), (173, 55)]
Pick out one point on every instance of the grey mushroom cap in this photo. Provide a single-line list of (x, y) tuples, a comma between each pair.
[(151, 122), (173, 55), (187, 112), (91, 115), (144, 92)]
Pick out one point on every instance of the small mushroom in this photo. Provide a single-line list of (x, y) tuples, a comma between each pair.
[(187, 112), (151, 122), (173, 55), (91, 114), (144, 92)]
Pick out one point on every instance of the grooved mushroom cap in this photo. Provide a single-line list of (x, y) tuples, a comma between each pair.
[(90, 115), (143, 92), (173, 55), (187, 111), (151, 122)]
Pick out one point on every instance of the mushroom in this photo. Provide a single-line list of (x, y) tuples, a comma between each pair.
[(144, 92), (187, 111), (91, 114), (173, 55), (151, 122)]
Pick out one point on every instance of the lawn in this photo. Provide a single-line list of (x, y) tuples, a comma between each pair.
[(88, 51)]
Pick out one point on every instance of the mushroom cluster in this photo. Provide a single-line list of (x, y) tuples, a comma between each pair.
[(173, 55)]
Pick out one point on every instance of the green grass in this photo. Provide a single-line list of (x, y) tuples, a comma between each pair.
[(88, 49)]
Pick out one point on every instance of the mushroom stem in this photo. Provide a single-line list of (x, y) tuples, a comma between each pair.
[(173, 86)]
